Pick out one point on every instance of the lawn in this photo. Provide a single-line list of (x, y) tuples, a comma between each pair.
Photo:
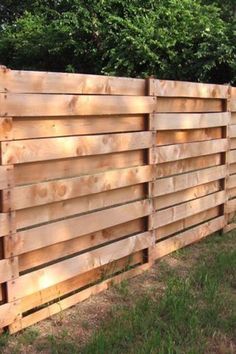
[(185, 304)]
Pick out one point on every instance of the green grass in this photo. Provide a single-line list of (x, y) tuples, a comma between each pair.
[(194, 313)]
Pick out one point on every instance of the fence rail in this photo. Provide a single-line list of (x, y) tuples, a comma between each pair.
[(100, 176)]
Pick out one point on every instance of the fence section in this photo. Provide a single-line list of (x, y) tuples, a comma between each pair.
[(190, 156), (100, 176), (231, 186)]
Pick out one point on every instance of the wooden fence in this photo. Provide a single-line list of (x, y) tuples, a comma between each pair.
[(100, 176)]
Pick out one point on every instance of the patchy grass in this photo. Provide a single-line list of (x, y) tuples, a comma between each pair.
[(185, 304)]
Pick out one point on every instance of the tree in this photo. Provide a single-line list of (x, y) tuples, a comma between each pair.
[(174, 39)]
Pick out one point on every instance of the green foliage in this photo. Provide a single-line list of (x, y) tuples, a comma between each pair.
[(171, 39)]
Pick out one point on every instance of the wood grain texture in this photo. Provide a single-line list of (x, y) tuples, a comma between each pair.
[(23, 151), (80, 281), (27, 105), (232, 143), (233, 105), (180, 182), (191, 164), (232, 156), (54, 82), (44, 255), (74, 299), (41, 171), (232, 131), (182, 211), (168, 137), (67, 208), (6, 126), (6, 177), (231, 206), (63, 230), (188, 105), (232, 191), (233, 118), (54, 191), (8, 269), (181, 225), (190, 121), (168, 200), (9, 313), (231, 181), (232, 168), (190, 89), (187, 237), (6, 224), (187, 150), (233, 92), (56, 273), (29, 128)]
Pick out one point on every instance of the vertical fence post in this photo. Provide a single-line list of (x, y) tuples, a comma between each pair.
[(8, 240), (151, 127), (226, 134)]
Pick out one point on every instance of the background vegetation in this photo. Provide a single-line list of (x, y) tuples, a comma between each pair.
[(171, 39)]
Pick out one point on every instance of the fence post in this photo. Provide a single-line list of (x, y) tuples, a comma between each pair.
[(151, 127), (226, 132), (8, 214)]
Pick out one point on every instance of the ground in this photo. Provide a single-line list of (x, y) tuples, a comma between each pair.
[(185, 304)]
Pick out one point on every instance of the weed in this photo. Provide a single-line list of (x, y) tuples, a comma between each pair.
[(28, 336), (3, 340)]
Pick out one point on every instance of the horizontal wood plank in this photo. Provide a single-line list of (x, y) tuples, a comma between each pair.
[(180, 182), (188, 105), (49, 234), (49, 192), (26, 105), (233, 105), (54, 82), (168, 137), (67, 208), (231, 191), (233, 92), (180, 166), (29, 128), (181, 225), (171, 88), (74, 299), (190, 121), (233, 143), (178, 212), (187, 150), (44, 255), (230, 206), (232, 156), (79, 281), (188, 237), (232, 168), (9, 313), (230, 227), (233, 118), (22, 151), (168, 200), (41, 171), (40, 279), (232, 131), (231, 183)]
